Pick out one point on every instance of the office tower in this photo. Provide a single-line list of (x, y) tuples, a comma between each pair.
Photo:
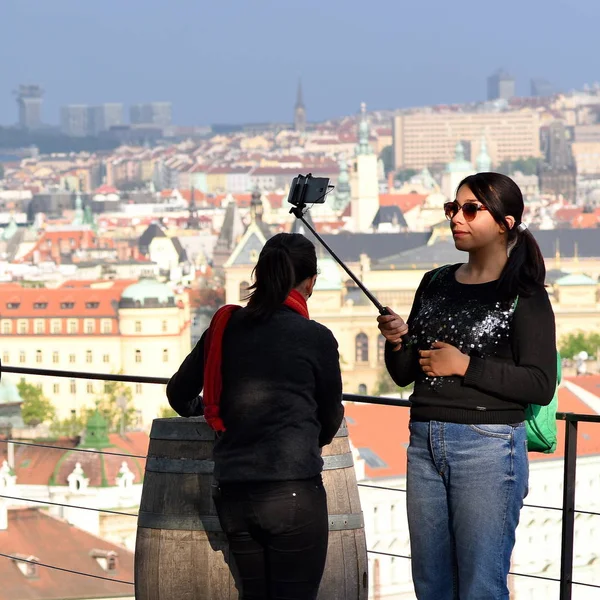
[(158, 114), (29, 100), (74, 120), (500, 86), (541, 88), (105, 116)]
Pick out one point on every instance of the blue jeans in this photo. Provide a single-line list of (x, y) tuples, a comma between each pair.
[(465, 490)]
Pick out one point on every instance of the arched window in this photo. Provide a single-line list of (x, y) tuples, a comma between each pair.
[(380, 349), (362, 389), (244, 290), (362, 348)]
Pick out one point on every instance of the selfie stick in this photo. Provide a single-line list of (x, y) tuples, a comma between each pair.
[(297, 211)]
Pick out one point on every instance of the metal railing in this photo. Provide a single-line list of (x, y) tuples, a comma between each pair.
[(567, 509)]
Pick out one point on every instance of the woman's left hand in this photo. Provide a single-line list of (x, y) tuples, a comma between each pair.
[(443, 360)]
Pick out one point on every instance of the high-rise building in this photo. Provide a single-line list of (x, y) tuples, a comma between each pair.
[(29, 100), (541, 88), (423, 139), (500, 86), (74, 120), (299, 111), (105, 116), (151, 113)]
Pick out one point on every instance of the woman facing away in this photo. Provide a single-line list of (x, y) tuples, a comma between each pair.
[(477, 359), (273, 392)]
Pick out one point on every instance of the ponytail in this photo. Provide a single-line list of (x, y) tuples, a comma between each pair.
[(286, 260), (525, 270)]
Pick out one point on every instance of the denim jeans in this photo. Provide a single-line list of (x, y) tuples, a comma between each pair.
[(278, 534), (465, 490)]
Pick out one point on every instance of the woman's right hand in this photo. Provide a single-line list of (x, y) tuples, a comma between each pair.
[(392, 327)]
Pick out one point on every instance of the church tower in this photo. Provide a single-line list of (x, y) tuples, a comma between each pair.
[(300, 111), (483, 162), (364, 183)]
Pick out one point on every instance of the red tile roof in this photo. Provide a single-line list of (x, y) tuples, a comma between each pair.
[(54, 542), (405, 202)]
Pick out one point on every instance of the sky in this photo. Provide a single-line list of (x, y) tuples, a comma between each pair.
[(233, 61)]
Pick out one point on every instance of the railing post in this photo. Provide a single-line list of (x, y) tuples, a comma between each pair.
[(568, 510)]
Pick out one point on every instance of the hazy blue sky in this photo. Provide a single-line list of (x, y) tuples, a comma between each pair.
[(240, 60)]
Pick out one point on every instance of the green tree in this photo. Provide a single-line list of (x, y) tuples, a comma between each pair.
[(384, 385), (387, 156), (36, 408), (527, 166), (116, 405), (72, 426), (166, 412), (578, 341), (403, 175)]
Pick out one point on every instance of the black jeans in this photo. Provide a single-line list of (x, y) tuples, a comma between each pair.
[(278, 533)]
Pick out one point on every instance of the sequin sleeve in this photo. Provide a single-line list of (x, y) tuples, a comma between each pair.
[(403, 365), (531, 377)]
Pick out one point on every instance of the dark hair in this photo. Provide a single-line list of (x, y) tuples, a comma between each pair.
[(285, 261), (525, 270)]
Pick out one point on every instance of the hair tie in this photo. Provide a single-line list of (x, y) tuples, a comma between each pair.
[(521, 227)]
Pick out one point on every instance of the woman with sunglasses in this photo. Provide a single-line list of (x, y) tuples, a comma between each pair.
[(477, 358)]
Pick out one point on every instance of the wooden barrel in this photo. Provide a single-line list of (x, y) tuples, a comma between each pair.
[(182, 553)]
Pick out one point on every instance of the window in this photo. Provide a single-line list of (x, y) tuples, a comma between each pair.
[(244, 290), (71, 358), (107, 388), (165, 355), (40, 305), (362, 389), (138, 356), (6, 327), (55, 326), (106, 326), (38, 356), (5, 357), (106, 358), (73, 386), (88, 356), (89, 325), (66, 305), (56, 388), (89, 388), (22, 327), (138, 326), (72, 326), (380, 349), (39, 326), (13, 305), (22, 356), (92, 304), (138, 388), (362, 348), (164, 327), (55, 357)]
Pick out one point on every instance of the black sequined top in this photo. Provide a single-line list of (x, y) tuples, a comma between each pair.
[(512, 350)]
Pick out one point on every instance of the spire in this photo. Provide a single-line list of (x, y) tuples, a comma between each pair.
[(192, 222), (96, 432), (299, 111), (256, 206), (363, 146), (299, 96), (342, 189), (459, 152), (483, 162), (78, 218)]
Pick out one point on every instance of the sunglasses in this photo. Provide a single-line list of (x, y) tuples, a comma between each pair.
[(469, 209)]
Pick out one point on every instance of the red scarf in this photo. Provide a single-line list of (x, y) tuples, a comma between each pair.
[(213, 353)]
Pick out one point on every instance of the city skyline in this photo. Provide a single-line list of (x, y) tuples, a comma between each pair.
[(243, 65)]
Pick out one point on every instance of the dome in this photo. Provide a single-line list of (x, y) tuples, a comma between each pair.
[(330, 278), (147, 293), (459, 164)]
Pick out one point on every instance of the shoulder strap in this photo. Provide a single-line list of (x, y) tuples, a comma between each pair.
[(436, 273)]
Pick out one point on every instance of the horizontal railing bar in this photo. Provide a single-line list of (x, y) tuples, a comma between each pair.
[(84, 375), (48, 502), (39, 564), (389, 554), (592, 585), (587, 512), (381, 487), (50, 446)]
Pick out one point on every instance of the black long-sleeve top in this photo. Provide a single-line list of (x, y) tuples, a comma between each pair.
[(281, 399), (512, 352)]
